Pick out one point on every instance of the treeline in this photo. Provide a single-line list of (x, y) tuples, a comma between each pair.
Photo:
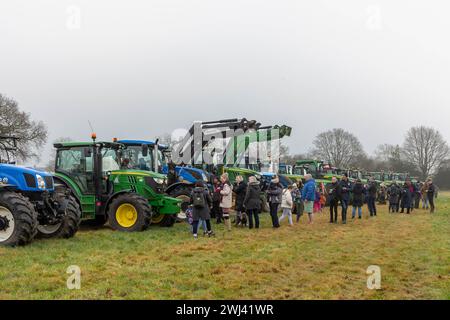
[(423, 153)]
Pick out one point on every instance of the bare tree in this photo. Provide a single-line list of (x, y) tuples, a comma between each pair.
[(426, 149), (13, 122), (338, 147), (392, 158)]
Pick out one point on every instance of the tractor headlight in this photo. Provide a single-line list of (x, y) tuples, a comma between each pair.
[(159, 180), (205, 178), (40, 182), (4, 180)]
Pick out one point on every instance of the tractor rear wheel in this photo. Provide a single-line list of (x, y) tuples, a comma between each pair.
[(129, 212), (264, 204), (164, 220), (68, 225), (18, 219), (184, 194)]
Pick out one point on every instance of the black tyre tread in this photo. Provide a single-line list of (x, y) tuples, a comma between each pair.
[(142, 206), (72, 219), (70, 222), (25, 218), (181, 191), (168, 221)]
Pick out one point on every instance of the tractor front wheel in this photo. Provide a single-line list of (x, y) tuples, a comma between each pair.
[(18, 219), (129, 212), (68, 225), (183, 194), (164, 220)]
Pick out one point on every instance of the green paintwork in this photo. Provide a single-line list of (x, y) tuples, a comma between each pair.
[(122, 181)]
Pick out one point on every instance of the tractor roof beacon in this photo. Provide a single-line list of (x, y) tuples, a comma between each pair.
[(31, 204), (108, 189)]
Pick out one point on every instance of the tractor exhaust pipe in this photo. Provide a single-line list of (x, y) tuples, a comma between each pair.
[(155, 156)]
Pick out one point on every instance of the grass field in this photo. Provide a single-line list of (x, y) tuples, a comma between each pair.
[(319, 261)]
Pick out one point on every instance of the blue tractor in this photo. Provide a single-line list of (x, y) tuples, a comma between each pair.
[(180, 179), (31, 205)]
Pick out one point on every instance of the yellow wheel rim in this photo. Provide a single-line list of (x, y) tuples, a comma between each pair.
[(157, 218), (126, 215)]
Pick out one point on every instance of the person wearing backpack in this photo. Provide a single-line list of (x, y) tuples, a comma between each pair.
[(227, 199), (201, 202)]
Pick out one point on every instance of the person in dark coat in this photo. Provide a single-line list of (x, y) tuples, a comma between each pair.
[(297, 198), (240, 189), (382, 194), (252, 202), (334, 195), (417, 195), (372, 196), (216, 211), (431, 193), (274, 193), (201, 202), (345, 196), (358, 192), (394, 193), (407, 196)]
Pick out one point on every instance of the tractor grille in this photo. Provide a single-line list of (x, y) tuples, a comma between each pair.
[(49, 182), (30, 180)]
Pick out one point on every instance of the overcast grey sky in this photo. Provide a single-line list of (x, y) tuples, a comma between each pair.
[(138, 69)]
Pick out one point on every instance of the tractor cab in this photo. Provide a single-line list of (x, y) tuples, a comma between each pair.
[(180, 178), (313, 167), (110, 185)]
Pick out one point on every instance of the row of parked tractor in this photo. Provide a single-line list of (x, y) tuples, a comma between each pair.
[(132, 184)]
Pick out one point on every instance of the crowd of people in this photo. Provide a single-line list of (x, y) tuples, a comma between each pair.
[(298, 199)]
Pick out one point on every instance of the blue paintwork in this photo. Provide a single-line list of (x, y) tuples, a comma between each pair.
[(141, 142), (15, 177)]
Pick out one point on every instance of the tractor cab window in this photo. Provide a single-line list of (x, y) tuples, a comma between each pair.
[(77, 164), (299, 171), (132, 158), (109, 160), (162, 160)]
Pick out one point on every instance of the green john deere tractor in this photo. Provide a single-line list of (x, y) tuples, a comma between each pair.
[(107, 191), (315, 168)]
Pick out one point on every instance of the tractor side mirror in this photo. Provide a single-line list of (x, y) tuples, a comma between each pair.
[(145, 150), (87, 152)]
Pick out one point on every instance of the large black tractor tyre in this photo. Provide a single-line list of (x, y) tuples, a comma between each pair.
[(184, 194), (18, 219), (129, 212), (164, 220), (264, 204), (68, 226)]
